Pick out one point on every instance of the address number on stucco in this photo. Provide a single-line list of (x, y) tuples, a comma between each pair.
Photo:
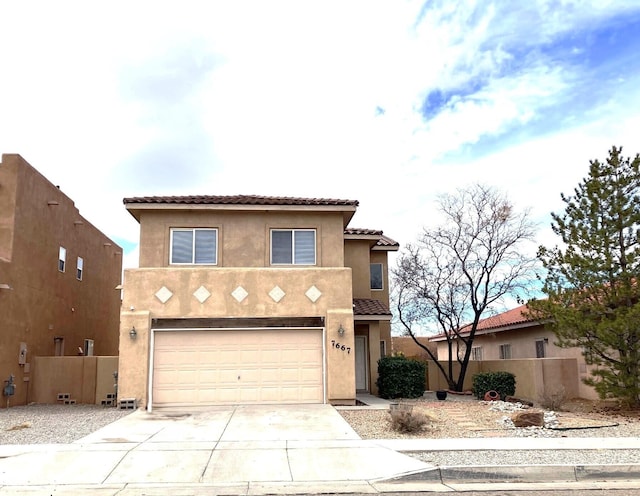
[(340, 347)]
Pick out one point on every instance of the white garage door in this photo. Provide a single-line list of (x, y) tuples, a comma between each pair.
[(209, 367)]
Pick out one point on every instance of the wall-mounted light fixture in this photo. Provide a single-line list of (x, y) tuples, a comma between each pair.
[(5, 286), (133, 334), (546, 340), (341, 330)]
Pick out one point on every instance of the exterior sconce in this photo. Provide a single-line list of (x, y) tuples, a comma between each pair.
[(133, 334), (341, 330), (5, 286)]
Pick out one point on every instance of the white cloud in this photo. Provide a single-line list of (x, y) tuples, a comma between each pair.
[(281, 98)]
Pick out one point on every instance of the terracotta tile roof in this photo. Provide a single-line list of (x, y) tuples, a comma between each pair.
[(240, 200), (514, 316), (383, 241), (355, 231), (369, 306), (386, 241), (511, 318)]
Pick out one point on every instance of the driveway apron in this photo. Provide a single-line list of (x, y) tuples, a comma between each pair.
[(220, 445)]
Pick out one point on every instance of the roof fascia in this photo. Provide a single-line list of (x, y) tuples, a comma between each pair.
[(136, 208), (372, 317)]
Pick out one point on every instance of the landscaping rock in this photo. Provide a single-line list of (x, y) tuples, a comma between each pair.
[(529, 418), (513, 399)]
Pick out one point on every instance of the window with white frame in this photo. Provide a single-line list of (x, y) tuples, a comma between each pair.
[(79, 268), (505, 351), (376, 275), (194, 246), (62, 258), (476, 353), (293, 247)]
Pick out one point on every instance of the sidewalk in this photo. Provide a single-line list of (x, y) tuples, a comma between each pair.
[(308, 450)]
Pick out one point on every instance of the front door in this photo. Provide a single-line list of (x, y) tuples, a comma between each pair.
[(361, 363)]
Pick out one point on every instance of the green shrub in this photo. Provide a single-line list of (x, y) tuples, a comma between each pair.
[(399, 377), (504, 383)]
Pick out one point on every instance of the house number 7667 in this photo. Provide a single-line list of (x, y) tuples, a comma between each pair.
[(340, 347)]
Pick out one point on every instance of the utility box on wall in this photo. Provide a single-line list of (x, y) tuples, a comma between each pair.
[(88, 347), (22, 355)]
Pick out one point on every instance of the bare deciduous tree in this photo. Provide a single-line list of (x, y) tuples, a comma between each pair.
[(457, 271)]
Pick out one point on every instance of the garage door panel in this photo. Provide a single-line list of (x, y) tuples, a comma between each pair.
[(237, 366)]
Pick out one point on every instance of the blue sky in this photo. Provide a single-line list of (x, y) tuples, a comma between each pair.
[(388, 103)]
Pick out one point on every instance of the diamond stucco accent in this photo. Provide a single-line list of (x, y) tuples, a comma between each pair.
[(277, 294), (313, 294), (164, 294), (201, 294), (239, 294)]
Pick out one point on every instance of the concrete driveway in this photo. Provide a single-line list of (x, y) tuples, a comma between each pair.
[(231, 446)]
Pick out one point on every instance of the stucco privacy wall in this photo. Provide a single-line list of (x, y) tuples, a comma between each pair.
[(534, 376), (243, 237), (86, 379), (141, 285)]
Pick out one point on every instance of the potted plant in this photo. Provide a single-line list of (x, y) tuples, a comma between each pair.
[(441, 394)]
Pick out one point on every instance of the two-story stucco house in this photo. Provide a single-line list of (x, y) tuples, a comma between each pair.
[(58, 275), (252, 299)]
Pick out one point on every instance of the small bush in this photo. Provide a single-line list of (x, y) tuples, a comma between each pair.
[(407, 421), (504, 383), (553, 400), (400, 377)]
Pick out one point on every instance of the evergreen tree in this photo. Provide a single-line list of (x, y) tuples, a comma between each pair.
[(592, 280)]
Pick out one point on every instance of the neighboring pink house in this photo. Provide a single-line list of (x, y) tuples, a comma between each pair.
[(513, 335)]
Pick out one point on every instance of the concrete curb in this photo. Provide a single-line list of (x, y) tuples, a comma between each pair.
[(522, 474)]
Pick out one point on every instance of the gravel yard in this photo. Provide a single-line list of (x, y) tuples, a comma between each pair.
[(53, 424), (453, 418), (468, 418)]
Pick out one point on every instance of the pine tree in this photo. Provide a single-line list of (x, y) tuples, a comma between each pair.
[(593, 278)]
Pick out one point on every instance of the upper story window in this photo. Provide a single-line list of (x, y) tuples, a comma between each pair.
[(293, 247), (194, 246), (79, 268), (376, 275), (62, 258), (505, 351), (476, 353)]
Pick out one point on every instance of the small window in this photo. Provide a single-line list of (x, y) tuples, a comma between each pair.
[(376, 275), (79, 268), (540, 348), (293, 247), (194, 246), (383, 349), (62, 257), (476, 353), (59, 346), (505, 351)]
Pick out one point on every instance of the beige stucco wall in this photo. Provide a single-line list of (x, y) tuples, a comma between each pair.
[(36, 218), (357, 256), (86, 379), (533, 376), (522, 343), (140, 305), (243, 237)]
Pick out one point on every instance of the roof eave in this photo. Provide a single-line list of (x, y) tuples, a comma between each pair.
[(135, 209)]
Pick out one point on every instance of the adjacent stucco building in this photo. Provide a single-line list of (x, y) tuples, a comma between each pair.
[(516, 335), (58, 275), (252, 299)]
